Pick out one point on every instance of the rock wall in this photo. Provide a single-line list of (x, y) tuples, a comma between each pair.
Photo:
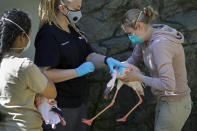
[(101, 23)]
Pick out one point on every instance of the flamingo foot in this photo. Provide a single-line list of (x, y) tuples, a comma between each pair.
[(106, 97), (63, 122), (88, 122), (122, 119), (53, 126)]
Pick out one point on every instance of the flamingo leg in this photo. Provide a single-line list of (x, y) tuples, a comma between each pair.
[(89, 122), (123, 119)]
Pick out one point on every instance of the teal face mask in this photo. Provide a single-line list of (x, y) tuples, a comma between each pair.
[(135, 39)]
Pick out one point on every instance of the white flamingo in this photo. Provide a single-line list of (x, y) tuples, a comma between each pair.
[(136, 86)]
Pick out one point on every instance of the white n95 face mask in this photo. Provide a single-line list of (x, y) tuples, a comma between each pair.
[(29, 43)]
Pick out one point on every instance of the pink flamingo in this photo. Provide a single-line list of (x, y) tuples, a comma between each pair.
[(136, 86)]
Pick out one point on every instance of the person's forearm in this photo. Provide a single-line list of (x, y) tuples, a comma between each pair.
[(97, 59), (60, 75), (158, 83)]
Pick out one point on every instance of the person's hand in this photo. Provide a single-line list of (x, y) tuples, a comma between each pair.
[(85, 68), (111, 62), (131, 76)]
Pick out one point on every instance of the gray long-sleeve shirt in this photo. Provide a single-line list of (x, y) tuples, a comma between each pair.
[(165, 59)]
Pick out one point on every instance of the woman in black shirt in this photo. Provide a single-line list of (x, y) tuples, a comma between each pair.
[(62, 51)]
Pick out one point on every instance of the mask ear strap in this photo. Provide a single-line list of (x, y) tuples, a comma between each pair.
[(64, 5), (13, 23), (19, 28), (16, 25), (67, 8)]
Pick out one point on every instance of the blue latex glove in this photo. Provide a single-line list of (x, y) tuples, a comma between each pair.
[(111, 62), (85, 68)]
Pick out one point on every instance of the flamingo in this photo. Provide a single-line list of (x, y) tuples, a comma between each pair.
[(136, 86)]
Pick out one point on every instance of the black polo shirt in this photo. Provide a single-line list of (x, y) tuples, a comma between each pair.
[(62, 50)]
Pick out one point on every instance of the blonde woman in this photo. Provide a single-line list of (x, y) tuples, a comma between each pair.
[(62, 50), (160, 47), (20, 78)]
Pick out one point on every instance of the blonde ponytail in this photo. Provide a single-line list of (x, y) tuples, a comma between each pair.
[(135, 15), (150, 13)]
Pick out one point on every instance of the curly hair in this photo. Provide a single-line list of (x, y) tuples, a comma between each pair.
[(9, 31)]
